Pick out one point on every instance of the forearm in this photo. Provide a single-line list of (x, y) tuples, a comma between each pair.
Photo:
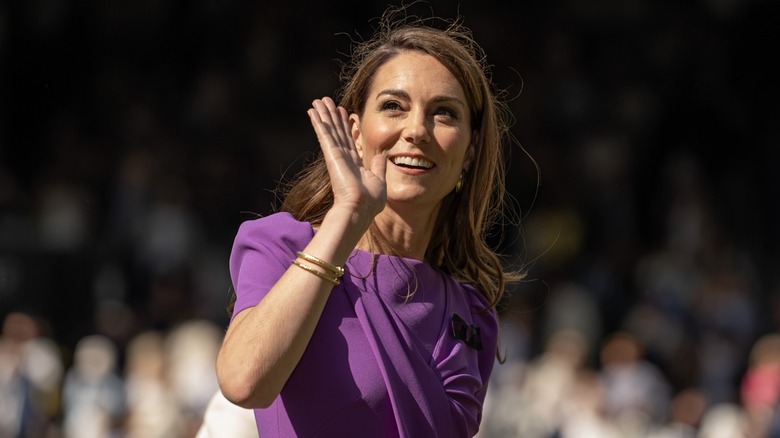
[(265, 343)]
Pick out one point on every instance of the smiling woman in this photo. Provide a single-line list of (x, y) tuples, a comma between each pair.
[(415, 115), (366, 305)]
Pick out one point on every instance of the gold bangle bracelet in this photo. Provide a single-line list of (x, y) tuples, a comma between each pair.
[(336, 270), (322, 275)]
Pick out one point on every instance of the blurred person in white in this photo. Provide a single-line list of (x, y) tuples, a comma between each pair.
[(760, 387), (637, 393), (571, 307), (191, 354), (584, 414), (152, 409), (224, 419), (499, 411), (31, 371), (536, 407), (724, 420), (220, 417), (685, 415), (93, 392)]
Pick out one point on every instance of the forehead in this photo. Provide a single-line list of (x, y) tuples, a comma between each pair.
[(419, 73)]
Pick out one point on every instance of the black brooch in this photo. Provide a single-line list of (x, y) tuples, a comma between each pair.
[(466, 332)]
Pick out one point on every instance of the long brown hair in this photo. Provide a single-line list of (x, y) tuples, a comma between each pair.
[(459, 244)]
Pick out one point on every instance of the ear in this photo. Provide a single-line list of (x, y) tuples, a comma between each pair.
[(357, 137)]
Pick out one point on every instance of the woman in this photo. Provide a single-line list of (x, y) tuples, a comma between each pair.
[(366, 306)]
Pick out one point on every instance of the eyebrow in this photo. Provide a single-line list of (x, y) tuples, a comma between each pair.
[(404, 95)]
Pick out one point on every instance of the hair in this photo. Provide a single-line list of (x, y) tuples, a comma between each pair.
[(459, 244)]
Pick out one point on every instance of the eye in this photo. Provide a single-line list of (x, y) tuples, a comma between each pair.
[(446, 112), (390, 105)]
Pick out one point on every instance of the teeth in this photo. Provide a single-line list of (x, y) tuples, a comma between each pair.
[(413, 162)]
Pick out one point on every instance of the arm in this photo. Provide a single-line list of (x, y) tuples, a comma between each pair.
[(264, 343), (465, 372)]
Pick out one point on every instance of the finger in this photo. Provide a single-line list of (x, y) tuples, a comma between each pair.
[(346, 124), (323, 111), (379, 166), (330, 120), (336, 117), (330, 124), (321, 129), (336, 156)]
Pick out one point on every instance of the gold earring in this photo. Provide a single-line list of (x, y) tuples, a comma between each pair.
[(459, 184)]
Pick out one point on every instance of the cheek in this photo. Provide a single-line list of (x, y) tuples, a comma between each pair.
[(377, 140), (455, 146)]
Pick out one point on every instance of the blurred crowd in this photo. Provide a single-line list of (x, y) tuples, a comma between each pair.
[(161, 388), (135, 137)]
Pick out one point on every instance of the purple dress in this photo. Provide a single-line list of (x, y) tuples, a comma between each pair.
[(379, 364)]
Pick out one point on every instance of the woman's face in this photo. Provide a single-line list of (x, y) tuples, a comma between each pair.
[(416, 112)]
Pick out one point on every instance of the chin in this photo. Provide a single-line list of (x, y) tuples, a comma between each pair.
[(405, 193), (413, 197)]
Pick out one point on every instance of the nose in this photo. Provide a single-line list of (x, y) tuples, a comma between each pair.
[(417, 129)]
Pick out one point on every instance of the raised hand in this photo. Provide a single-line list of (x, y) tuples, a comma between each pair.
[(354, 185)]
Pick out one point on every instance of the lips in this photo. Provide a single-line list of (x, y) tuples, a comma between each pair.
[(411, 162)]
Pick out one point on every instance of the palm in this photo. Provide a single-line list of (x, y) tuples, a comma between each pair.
[(353, 183)]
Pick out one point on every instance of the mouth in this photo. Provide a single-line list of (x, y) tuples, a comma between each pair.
[(411, 162)]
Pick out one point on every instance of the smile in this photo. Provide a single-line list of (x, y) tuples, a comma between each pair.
[(411, 162)]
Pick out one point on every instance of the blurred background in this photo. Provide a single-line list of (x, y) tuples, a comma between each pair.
[(136, 136)]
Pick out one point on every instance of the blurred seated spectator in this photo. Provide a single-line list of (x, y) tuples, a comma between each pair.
[(93, 393), (153, 411), (724, 420), (191, 354), (31, 371), (760, 387), (637, 394)]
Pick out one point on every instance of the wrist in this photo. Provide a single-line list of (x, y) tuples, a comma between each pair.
[(356, 219), (339, 233)]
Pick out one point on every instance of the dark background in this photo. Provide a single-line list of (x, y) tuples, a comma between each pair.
[(135, 135)]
